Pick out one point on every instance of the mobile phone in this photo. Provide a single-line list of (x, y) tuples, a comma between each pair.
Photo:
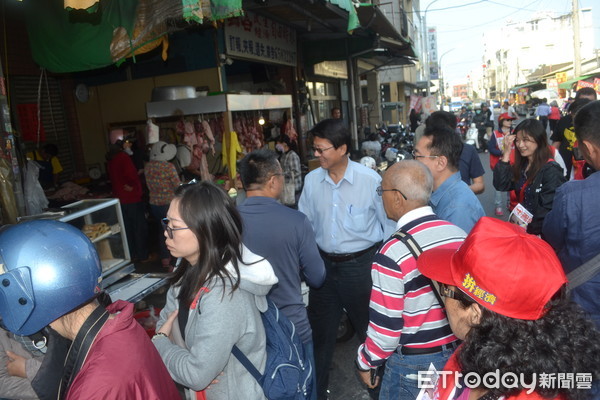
[(373, 376), (577, 155)]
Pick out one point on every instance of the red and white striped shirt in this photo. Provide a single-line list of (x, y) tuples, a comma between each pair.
[(404, 310)]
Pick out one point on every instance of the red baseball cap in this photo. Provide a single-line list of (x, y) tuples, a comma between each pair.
[(501, 267), (505, 116)]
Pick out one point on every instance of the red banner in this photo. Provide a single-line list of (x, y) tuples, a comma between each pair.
[(28, 122), (415, 102)]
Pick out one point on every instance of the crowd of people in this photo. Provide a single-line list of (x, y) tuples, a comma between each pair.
[(423, 275)]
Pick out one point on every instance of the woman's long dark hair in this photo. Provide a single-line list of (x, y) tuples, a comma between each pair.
[(213, 218), (535, 130), (562, 341)]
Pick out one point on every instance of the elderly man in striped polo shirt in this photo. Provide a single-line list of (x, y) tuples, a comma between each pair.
[(408, 325)]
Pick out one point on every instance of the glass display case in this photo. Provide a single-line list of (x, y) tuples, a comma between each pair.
[(101, 221)]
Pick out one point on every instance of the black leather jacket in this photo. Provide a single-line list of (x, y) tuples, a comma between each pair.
[(543, 187)]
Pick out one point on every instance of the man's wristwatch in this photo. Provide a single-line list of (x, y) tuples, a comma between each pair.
[(159, 335)]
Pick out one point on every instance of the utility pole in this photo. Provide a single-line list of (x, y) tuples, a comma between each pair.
[(442, 83), (576, 40)]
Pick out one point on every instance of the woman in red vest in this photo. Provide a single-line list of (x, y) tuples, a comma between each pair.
[(534, 175)]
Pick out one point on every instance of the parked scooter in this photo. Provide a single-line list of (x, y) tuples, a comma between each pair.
[(397, 146)]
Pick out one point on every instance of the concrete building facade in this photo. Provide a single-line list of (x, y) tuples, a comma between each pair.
[(514, 51)]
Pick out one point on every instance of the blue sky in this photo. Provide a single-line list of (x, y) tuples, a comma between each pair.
[(461, 23)]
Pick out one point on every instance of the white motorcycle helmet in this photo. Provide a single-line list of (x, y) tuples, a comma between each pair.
[(391, 153), (369, 162)]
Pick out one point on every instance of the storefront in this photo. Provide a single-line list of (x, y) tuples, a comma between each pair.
[(248, 77), (328, 89), (238, 73)]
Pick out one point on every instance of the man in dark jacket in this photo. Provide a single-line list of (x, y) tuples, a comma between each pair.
[(563, 136), (572, 227), (484, 123)]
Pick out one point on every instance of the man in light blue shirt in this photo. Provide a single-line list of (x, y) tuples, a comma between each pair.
[(542, 112), (452, 200), (341, 202)]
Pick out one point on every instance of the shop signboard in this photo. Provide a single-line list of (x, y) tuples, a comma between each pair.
[(552, 84), (428, 104), (582, 84), (260, 39), (332, 69), (561, 77), (597, 85), (433, 52), (415, 102)]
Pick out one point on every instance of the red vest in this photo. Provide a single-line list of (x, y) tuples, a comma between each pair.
[(493, 158), (577, 166)]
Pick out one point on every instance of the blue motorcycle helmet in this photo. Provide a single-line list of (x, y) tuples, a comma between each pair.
[(47, 269)]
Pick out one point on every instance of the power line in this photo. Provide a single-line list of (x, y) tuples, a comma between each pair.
[(506, 5), (448, 8), (489, 22)]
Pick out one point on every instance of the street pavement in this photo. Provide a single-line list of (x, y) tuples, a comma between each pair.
[(343, 380), (487, 197)]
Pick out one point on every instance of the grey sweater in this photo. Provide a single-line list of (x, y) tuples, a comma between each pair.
[(222, 319), (14, 387)]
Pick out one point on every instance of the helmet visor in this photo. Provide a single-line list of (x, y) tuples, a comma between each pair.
[(16, 297)]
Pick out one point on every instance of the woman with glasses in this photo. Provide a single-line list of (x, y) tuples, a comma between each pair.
[(534, 175), (522, 337), (215, 299)]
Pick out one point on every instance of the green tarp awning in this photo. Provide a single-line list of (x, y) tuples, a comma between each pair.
[(569, 84), (525, 85), (69, 41), (110, 31), (348, 5)]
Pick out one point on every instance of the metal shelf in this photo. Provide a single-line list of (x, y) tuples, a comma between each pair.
[(217, 103)]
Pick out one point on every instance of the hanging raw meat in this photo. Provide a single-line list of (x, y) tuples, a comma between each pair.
[(209, 135), (288, 129), (189, 134), (217, 126)]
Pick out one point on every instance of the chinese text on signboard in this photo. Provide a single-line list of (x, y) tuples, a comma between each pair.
[(261, 39)]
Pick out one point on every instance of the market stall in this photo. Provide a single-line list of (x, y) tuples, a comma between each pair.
[(235, 123)]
